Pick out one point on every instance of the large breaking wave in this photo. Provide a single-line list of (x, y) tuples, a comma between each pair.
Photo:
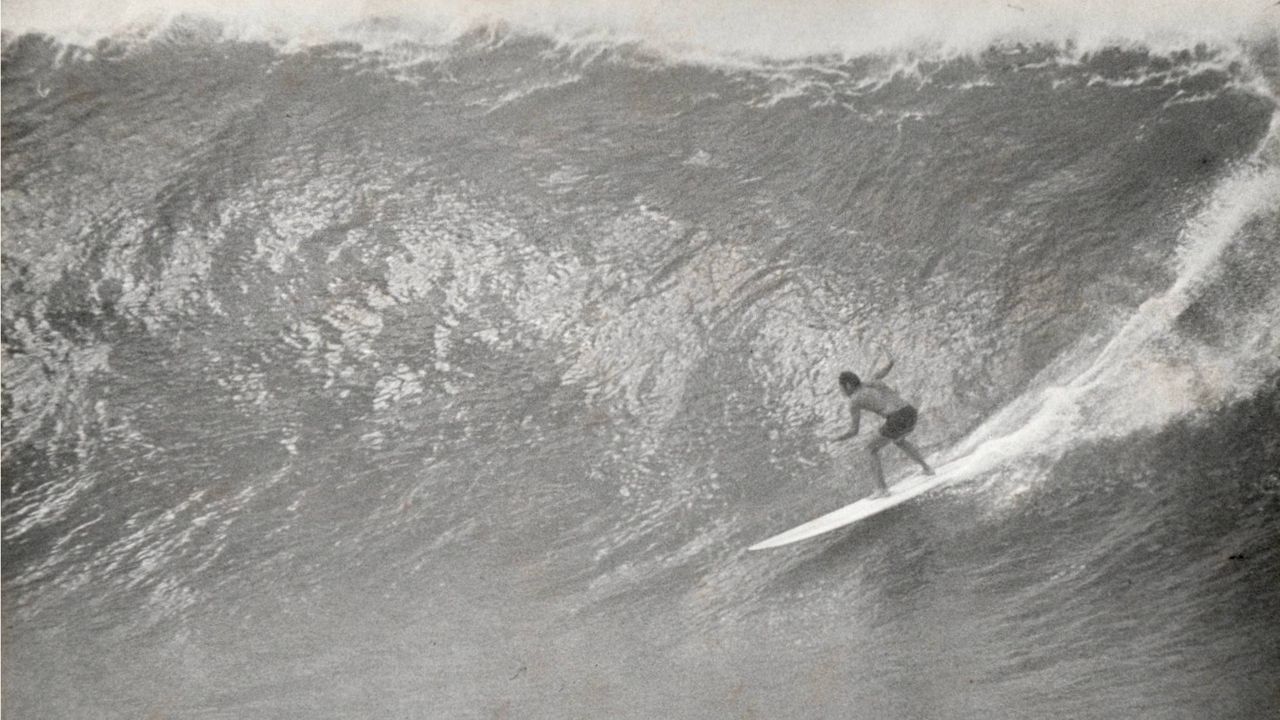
[(486, 350)]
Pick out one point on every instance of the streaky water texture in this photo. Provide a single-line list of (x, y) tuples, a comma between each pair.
[(383, 373)]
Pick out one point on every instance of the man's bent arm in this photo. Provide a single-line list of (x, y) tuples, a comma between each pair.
[(879, 374)]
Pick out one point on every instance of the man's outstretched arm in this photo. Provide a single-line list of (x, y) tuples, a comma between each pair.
[(857, 421)]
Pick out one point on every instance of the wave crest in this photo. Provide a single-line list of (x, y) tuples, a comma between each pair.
[(759, 29)]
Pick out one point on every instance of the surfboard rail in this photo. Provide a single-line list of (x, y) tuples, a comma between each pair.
[(854, 512)]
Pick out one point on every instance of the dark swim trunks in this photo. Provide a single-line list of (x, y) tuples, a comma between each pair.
[(899, 422)]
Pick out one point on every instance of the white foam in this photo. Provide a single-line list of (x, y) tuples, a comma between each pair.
[(777, 29), (1146, 375)]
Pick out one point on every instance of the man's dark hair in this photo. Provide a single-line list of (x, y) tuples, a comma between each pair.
[(849, 381)]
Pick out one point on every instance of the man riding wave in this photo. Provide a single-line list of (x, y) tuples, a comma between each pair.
[(899, 420)]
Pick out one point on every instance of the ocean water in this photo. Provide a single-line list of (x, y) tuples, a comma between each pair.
[(444, 364)]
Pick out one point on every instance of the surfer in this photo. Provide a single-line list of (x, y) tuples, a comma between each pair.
[(899, 419)]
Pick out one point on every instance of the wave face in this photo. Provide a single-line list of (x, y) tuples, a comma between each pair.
[(450, 377)]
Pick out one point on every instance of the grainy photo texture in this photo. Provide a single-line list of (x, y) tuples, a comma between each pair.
[(641, 359)]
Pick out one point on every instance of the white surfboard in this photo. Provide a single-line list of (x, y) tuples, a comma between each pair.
[(854, 512)]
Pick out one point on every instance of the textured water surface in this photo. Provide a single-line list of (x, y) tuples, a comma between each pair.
[(451, 379)]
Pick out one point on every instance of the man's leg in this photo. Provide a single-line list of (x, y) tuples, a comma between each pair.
[(914, 453), (877, 472)]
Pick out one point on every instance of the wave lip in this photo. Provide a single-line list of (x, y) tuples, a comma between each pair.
[(765, 29)]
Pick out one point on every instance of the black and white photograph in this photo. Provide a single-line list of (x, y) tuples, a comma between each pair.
[(640, 359)]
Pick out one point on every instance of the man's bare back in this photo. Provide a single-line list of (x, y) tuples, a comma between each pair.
[(876, 397)]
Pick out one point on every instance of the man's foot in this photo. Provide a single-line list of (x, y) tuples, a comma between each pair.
[(928, 470), (881, 493)]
